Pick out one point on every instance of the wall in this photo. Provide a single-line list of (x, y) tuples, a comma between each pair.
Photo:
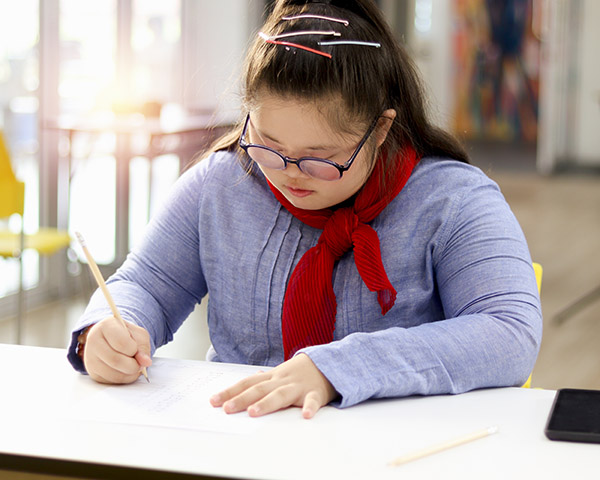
[(586, 134), (430, 44), (216, 36)]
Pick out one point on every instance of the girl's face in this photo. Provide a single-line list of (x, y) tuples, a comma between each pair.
[(298, 129)]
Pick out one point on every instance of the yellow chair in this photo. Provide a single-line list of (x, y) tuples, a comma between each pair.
[(46, 241), (537, 268)]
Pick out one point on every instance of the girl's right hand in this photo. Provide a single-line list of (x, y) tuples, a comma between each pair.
[(113, 354)]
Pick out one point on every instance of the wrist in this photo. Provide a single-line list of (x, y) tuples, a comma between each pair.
[(81, 340)]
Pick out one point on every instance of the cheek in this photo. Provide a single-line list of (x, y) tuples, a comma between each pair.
[(269, 173), (369, 160), (343, 189), (359, 172)]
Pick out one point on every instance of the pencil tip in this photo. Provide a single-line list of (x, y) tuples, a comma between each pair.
[(80, 238)]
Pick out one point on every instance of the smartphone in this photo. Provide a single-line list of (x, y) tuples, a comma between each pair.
[(575, 416)]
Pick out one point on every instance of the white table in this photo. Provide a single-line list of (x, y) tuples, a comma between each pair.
[(42, 430)]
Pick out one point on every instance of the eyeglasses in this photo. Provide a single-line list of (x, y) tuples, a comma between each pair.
[(319, 168)]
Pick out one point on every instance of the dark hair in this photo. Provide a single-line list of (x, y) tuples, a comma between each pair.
[(367, 80)]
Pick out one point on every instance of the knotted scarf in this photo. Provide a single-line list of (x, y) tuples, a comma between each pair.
[(309, 306)]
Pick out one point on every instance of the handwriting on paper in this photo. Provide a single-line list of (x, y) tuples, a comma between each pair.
[(176, 397)]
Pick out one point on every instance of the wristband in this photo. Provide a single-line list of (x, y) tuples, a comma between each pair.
[(81, 339)]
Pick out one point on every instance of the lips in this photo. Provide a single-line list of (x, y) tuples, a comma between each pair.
[(298, 192)]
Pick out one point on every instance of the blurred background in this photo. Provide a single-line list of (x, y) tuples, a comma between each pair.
[(102, 104)]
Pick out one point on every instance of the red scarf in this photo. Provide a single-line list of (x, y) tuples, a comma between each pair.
[(309, 306)]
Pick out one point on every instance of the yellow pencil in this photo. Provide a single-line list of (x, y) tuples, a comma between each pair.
[(444, 446), (102, 285)]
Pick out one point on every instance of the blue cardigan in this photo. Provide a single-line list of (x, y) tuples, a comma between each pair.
[(467, 313)]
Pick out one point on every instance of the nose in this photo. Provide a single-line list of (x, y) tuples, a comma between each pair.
[(292, 170)]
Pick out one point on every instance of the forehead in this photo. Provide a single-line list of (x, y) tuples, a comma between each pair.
[(282, 117)]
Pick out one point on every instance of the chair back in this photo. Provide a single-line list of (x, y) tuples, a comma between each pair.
[(537, 268), (12, 191)]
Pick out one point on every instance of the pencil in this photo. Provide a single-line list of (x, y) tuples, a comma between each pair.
[(102, 285), (444, 446)]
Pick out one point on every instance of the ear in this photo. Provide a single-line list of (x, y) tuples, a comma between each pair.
[(383, 125)]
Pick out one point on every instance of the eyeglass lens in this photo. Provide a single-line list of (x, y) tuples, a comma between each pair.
[(314, 168)]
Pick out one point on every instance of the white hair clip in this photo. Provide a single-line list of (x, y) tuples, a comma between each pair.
[(304, 32), (351, 42), (320, 17)]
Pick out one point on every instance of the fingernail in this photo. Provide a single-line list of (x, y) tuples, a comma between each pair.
[(143, 359), (215, 399), (229, 406), (253, 410)]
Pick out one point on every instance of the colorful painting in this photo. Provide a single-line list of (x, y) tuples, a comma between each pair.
[(496, 51)]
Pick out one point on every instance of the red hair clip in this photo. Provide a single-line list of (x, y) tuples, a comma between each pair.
[(268, 39)]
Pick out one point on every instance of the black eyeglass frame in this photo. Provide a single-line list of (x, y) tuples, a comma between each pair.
[(298, 161)]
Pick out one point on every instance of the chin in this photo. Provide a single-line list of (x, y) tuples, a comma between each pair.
[(306, 203)]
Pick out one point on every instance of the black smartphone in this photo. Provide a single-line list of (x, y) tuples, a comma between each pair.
[(575, 416)]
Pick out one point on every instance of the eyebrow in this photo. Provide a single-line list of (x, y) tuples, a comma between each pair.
[(314, 148)]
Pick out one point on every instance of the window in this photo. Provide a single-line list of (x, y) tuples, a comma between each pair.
[(19, 81)]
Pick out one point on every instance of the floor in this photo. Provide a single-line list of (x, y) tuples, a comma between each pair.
[(560, 216)]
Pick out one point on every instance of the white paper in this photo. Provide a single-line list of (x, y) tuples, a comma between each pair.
[(176, 397)]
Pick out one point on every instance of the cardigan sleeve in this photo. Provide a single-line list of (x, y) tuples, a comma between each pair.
[(492, 326), (161, 280)]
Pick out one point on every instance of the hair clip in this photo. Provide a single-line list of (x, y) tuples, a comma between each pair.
[(268, 39), (351, 42), (305, 32), (320, 17)]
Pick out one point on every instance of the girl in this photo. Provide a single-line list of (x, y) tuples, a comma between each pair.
[(340, 236)]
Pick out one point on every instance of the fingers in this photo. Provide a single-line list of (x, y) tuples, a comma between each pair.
[(220, 398), (296, 382), (104, 373), (265, 397), (270, 396), (114, 354), (143, 359), (282, 397), (312, 403), (118, 338), (141, 337)]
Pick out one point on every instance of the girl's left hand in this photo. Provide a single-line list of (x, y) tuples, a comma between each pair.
[(297, 382)]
